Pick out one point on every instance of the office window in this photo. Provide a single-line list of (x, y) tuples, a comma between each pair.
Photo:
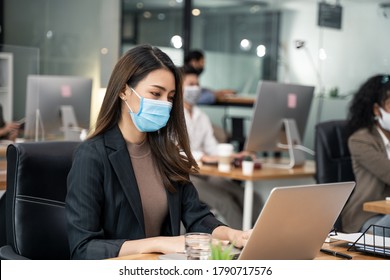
[(150, 23), (158, 23), (229, 32), (240, 40)]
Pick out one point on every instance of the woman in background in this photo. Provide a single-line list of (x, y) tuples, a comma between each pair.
[(369, 145), (129, 187)]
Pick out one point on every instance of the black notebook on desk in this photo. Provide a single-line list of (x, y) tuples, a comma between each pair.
[(295, 221)]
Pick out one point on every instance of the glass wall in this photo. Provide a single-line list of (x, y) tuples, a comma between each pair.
[(24, 61), (67, 35), (229, 32), (335, 57), (86, 37), (240, 41), (158, 23)]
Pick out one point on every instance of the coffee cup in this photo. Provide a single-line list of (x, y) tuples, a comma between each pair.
[(225, 152), (247, 167)]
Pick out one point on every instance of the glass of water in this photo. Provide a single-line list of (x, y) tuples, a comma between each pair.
[(197, 246)]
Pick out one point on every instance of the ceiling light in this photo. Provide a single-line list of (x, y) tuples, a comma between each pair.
[(176, 42), (260, 50), (195, 12), (245, 45)]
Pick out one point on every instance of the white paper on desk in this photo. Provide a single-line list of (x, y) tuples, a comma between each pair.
[(367, 239)]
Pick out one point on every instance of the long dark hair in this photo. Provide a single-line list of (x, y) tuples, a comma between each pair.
[(170, 145), (361, 115)]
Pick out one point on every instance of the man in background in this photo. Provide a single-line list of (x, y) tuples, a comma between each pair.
[(196, 60), (221, 194)]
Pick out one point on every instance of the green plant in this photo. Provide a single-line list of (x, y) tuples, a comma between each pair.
[(334, 92), (219, 252), (247, 158)]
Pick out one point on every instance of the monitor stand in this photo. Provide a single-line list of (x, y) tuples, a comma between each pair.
[(38, 124), (296, 157), (69, 124)]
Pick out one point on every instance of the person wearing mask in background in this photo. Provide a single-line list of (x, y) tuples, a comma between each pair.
[(129, 186), (8, 131), (223, 195), (369, 145), (196, 60)]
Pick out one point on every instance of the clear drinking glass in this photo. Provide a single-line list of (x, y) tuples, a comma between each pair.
[(197, 246)]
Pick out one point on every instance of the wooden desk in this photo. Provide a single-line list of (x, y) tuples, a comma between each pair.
[(3, 164), (265, 173), (3, 177), (235, 100), (342, 247), (3, 150), (338, 246), (380, 206)]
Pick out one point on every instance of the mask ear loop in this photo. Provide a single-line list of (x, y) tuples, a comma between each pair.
[(141, 103), (128, 106), (136, 93)]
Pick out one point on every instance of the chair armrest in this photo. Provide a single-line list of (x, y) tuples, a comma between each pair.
[(8, 253)]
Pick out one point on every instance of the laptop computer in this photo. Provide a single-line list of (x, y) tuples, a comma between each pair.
[(295, 221)]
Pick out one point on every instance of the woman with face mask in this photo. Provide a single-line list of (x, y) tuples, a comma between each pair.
[(369, 145), (129, 187)]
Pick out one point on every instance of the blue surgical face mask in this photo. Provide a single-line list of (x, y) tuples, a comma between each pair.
[(152, 115)]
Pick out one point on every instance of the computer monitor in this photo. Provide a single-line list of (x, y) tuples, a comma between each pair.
[(57, 107), (279, 119)]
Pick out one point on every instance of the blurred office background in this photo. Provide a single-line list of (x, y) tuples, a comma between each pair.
[(244, 41)]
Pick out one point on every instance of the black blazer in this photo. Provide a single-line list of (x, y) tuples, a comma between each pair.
[(103, 204)]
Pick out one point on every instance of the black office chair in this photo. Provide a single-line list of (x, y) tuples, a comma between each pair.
[(35, 200), (332, 159), (237, 130)]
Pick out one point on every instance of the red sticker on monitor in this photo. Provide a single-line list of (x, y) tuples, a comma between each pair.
[(66, 91), (291, 100)]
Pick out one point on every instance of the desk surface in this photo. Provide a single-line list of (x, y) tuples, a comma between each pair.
[(338, 246), (380, 206), (265, 173), (3, 150), (235, 100)]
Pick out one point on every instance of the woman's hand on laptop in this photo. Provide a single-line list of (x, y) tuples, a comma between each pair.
[(240, 238), (237, 237)]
